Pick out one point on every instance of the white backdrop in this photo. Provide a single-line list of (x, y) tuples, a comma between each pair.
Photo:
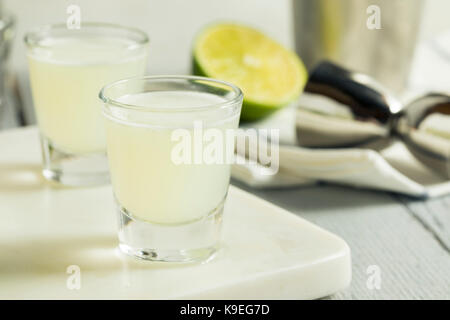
[(172, 24)]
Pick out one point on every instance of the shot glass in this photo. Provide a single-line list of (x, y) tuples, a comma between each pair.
[(67, 68), (169, 141)]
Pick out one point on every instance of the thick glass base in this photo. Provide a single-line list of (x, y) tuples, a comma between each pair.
[(188, 242), (73, 169)]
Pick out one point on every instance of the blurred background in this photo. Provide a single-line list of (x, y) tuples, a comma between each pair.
[(421, 26)]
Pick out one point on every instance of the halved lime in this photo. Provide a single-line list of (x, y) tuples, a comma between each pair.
[(269, 75)]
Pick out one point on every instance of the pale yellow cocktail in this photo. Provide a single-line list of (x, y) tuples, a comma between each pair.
[(146, 181), (67, 70)]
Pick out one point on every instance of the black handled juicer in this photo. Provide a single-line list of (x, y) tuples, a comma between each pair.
[(340, 108)]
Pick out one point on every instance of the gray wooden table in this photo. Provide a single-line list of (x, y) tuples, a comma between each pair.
[(407, 240)]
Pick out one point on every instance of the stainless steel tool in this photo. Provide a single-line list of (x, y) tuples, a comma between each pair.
[(340, 108)]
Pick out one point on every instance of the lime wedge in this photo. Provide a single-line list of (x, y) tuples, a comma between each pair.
[(269, 75)]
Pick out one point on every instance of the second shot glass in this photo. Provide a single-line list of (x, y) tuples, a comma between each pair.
[(67, 69)]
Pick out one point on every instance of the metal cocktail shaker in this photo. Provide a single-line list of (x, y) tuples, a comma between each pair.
[(343, 31)]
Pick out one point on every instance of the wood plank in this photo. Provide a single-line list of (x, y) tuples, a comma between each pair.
[(380, 231), (434, 215)]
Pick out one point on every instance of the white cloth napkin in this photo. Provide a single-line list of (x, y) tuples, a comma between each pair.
[(393, 168)]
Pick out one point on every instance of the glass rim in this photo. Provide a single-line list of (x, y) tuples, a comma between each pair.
[(7, 20), (237, 94), (31, 37)]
